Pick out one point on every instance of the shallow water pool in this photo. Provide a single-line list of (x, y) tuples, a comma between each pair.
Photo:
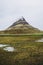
[(8, 48)]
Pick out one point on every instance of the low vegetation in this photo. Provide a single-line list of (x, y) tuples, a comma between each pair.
[(28, 52)]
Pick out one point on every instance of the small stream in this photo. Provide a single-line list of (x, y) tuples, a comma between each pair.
[(8, 48)]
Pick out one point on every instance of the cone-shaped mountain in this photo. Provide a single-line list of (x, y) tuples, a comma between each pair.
[(21, 26), (20, 21)]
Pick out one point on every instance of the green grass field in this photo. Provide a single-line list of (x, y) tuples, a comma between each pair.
[(28, 51)]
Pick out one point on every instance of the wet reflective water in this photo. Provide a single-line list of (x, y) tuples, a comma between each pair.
[(7, 47), (2, 45), (40, 40), (10, 49)]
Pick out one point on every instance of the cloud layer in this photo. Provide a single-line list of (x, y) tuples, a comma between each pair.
[(10, 10)]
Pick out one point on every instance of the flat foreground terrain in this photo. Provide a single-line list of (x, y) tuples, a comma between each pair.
[(27, 50)]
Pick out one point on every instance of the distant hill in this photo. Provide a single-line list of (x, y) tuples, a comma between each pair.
[(21, 26)]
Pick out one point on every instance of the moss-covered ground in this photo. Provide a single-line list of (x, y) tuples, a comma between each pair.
[(28, 51)]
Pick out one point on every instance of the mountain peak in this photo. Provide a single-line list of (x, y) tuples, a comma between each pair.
[(20, 21), (22, 18), (21, 26)]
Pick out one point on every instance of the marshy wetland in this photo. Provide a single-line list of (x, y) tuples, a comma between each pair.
[(21, 50)]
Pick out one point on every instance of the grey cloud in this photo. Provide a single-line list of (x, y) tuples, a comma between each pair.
[(15, 8)]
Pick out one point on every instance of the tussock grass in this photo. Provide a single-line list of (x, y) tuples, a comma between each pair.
[(28, 51)]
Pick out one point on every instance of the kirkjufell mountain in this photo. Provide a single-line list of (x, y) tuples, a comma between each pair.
[(21, 26), (21, 23)]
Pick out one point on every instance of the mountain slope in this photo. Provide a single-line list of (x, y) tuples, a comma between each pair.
[(21, 26)]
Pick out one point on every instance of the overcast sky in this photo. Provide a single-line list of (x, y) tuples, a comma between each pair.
[(31, 10)]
